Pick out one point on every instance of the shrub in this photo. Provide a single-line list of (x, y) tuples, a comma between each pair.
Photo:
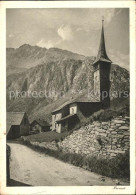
[(108, 114), (117, 167)]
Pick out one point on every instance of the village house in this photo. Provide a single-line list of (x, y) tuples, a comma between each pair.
[(39, 125), (17, 124), (70, 113), (67, 116)]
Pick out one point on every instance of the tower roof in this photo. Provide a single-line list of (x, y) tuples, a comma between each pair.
[(102, 55)]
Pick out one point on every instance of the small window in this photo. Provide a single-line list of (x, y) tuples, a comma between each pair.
[(72, 110)]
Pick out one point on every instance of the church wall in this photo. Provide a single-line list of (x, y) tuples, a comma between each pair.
[(88, 108), (105, 84), (73, 108), (96, 82), (105, 76)]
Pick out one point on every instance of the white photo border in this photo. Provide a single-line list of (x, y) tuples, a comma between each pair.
[(62, 189)]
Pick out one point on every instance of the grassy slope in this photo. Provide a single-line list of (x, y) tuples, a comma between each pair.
[(46, 136)]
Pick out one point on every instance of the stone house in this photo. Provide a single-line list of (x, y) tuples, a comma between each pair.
[(39, 126), (58, 114), (67, 116), (70, 113), (17, 124)]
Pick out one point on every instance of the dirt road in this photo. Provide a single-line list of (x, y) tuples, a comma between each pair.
[(36, 169)]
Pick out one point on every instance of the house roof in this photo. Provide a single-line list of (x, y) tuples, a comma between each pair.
[(77, 100), (62, 106), (14, 118), (66, 117), (86, 100), (41, 122), (102, 55)]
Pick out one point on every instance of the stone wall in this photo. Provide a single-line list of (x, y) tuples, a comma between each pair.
[(104, 139)]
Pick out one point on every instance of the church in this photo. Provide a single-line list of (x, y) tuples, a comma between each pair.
[(65, 117)]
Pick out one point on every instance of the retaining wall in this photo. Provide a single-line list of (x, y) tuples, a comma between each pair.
[(104, 139)]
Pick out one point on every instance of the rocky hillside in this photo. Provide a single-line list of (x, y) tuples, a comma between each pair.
[(62, 74)]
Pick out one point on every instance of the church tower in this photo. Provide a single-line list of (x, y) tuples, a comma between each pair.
[(101, 67)]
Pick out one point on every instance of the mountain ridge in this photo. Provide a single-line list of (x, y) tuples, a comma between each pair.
[(69, 77), (27, 56)]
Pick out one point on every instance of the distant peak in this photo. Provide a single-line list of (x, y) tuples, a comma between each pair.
[(25, 45), (29, 46)]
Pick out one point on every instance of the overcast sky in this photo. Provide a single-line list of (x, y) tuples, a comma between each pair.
[(77, 30)]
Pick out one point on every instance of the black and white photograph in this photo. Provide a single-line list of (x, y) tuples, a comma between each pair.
[(68, 97)]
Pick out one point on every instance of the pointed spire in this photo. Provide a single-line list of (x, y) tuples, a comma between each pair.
[(102, 55)]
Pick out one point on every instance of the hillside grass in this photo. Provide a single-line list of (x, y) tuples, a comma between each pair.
[(117, 109), (46, 136)]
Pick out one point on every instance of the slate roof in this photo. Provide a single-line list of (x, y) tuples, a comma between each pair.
[(41, 122), (66, 117), (102, 55), (86, 100), (62, 106), (77, 100), (14, 118)]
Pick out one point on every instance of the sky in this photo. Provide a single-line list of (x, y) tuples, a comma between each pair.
[(75, 29)]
